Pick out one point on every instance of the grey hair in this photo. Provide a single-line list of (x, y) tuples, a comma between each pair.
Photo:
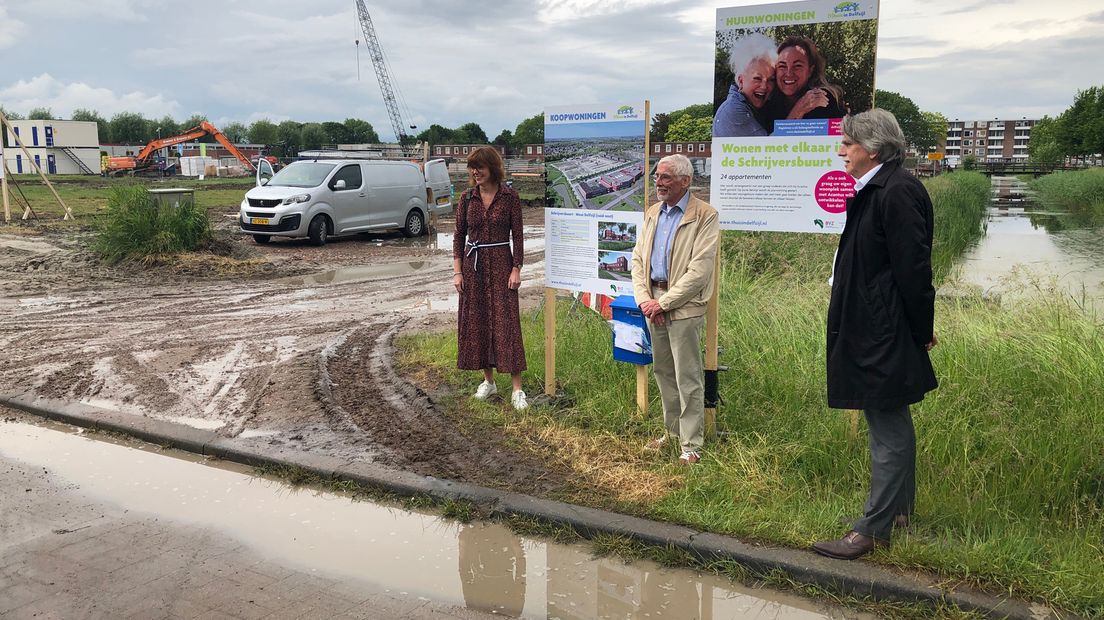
[(748, 48), (877, 131), (679, 164)]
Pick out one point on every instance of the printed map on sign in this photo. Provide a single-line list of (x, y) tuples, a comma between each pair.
[(594, 162)]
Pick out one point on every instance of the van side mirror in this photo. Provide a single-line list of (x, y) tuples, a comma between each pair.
[(339, 184)]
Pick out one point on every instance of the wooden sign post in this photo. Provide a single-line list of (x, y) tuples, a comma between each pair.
[(712, 341)]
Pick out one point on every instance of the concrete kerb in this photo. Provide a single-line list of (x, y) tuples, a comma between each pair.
[(854, 578)]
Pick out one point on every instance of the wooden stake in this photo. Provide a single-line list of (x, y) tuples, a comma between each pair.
[(853, 433), (712, 318), (550, 341), (641, 371), (4, 172), (30, 159), (4, 185)]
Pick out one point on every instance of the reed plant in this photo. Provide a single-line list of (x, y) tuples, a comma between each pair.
[(1080, 192), (961, 202), (136, 226), (1010, 446)]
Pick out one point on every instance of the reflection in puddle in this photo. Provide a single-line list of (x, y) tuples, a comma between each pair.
[(354, 274), (482, 565), (1025, 249)]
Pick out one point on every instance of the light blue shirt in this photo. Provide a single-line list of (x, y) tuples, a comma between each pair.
[(666, 226)]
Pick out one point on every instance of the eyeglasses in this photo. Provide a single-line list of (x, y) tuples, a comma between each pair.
[(666, 177)]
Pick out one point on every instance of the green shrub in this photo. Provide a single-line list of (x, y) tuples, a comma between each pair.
[(137, 226)]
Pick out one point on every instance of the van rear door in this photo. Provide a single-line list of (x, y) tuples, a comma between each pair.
[(439, 186)]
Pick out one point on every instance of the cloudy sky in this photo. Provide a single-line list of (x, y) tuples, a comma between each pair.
[(496, 62)]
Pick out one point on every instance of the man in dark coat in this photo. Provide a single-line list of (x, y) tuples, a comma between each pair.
[(880, 321)]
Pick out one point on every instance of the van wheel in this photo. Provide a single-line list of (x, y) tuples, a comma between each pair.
[(415, 224), (317, 230), (262, 239)]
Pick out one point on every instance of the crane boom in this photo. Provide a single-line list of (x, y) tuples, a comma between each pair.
[(371, 41)]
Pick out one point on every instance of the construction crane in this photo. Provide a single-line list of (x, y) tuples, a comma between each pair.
[(371, 41)]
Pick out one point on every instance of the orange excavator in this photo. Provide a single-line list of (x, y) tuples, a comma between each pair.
[(144, 159)]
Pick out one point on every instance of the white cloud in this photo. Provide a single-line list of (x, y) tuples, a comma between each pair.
[(44, 91), (555, 11), (11, 29), (116, 10)]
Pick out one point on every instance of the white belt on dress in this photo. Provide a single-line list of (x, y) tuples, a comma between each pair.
[(473, 248)]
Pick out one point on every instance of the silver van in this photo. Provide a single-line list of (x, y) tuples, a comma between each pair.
[(323, 197)]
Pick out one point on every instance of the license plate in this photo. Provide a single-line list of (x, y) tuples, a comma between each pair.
[(260, 220), (442, 200)]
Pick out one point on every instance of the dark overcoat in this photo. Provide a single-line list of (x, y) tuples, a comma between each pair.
[(883, 303)]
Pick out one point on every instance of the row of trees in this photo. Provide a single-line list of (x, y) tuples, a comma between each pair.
[(923, 130), (528, 131), (288, 137), (1077, 132)]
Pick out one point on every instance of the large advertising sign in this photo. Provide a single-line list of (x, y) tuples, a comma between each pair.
[(786, 74), (594, 163)]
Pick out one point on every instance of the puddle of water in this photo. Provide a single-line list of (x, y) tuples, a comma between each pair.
[(354, 274), (27, 245), (200, 423), (1024, 248), (482, 565)]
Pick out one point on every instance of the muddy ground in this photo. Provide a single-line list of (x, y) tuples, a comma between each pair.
[(284, 344)]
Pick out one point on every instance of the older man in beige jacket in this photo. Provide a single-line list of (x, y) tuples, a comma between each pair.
[(672, 272)]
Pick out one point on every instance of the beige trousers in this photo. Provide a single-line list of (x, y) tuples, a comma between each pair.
[(677, 364)]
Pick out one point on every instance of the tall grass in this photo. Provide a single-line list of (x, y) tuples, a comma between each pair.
[(1080, 192), (136, 226), (960, 202), (1010, 447)]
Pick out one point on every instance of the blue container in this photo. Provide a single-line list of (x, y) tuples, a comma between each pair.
[(631, 341)]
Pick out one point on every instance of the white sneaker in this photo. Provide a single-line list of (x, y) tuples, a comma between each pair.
[(518, 400), (486, 390)]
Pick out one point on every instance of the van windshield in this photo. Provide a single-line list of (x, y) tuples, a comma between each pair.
[(302, 174)]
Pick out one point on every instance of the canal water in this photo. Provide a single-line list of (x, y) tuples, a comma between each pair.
[(1026, 250), (482, 566)]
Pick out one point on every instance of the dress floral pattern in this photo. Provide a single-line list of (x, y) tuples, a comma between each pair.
[(489, 321)]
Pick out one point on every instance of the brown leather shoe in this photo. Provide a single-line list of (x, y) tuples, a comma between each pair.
[(852, 546)]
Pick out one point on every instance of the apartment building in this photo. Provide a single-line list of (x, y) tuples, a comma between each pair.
[(989, 140)]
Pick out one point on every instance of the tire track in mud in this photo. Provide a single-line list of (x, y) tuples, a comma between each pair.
[(297, 362), (413, 432)]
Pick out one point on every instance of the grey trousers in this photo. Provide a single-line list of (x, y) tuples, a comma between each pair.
[(677, 364), (892, 471)]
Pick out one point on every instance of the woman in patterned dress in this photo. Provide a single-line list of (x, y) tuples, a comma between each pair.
[(487, 274)]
